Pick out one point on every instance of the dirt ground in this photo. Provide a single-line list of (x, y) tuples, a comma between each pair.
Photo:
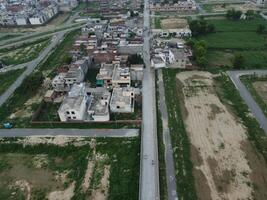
[(261, 88), (173, 23), (225, 164)]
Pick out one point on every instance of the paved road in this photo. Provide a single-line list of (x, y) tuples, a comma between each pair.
[(170, 170), (31, 66), (70, 132), (28, 39), (149, 177), (253, 106), (13, 67)]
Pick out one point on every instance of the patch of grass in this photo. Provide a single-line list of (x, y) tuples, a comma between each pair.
[(25, 53), (157, 22), (7, 78), (180, 141), (229, 95)]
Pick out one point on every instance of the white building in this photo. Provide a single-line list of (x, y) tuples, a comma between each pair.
[(74, 104), (122, 100), (98, 104)]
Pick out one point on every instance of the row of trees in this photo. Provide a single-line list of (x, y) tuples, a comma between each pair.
[(199, 51), (201, 27), (236, 14)]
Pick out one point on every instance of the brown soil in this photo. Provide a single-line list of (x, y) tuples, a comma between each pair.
[(259, 171)]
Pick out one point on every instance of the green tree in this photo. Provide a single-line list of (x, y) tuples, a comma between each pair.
[(260, 29), (238, 61), (250, 14)]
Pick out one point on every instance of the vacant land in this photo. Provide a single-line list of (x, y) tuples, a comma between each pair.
[(236, 37), (225, 162), (172, 23), (23, 54), (7, 78), (69, 168), (20, 107)]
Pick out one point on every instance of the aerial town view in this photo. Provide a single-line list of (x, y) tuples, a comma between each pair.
[(133, 100)]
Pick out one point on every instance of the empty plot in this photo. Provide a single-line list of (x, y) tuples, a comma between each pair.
[(220, 151)]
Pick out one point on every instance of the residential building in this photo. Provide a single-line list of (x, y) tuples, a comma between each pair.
[(121, 77), (74, 105), (98, 104), (122, 100)]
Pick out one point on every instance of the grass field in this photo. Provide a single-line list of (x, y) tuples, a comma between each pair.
[(24, 53), (31, 169), (7, 78), (236, 37), (235, 40)]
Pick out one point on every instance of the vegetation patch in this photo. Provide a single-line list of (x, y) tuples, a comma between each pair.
[(7, 78), (64, 167), (180, 141)]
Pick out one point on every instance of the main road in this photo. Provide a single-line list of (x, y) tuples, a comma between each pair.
[(245, 94), (149, 174)]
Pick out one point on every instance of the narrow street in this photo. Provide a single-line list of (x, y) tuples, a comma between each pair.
[(244, 93), (170, 170)]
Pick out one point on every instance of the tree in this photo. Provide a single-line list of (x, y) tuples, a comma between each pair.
[(200, 51), (201, 27), (68, 60), (238, 61), (250, 14), (233, 14), (135, 59), (261, 28)]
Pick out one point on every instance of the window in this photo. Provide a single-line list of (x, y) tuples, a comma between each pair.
[(73, 112), (68, 112), (69, 117), (74, 118), (118, 107)]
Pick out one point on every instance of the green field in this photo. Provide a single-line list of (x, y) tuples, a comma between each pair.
[(7, 78), (236, 37), (235, 40), (49, 167)]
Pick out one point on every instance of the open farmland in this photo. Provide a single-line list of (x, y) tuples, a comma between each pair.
[(236, 37), (69, 168), (225, 164)]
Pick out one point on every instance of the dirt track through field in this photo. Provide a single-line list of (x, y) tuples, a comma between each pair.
[(221, 168)]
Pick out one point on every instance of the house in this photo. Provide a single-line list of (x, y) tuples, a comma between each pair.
[(104, 77), (59, 83), (137, 72), (121, 77), (98, 104), (49, 96), (74, 105), (122, 100)]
